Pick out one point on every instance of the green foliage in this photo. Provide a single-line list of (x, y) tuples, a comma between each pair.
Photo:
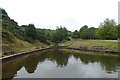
[(25, 32), (118, 31), (6, 35), (59, 35), (97, 35), (84, 32), (91, 33), (31, 32), (41, 36), (107, 29), (76, 34)]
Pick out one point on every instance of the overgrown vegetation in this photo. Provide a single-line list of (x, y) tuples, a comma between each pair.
[(19, 37), (108, 30)]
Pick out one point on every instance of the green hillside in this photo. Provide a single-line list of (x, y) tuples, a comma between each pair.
[(17, 38), (20, 38)]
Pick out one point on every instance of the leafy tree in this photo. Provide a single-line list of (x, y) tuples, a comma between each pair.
[(59, 34), (91, 32), (41, 36), (76, 34), (31, 32), (97, 33), (107, 29), (84, 32), (118, 31)]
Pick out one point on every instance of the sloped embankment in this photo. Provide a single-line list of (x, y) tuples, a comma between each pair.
[(16, 38)]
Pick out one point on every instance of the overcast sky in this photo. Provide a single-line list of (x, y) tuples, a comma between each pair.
[(72, 14)]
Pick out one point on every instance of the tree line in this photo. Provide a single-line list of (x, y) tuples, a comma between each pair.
[(107, 30)]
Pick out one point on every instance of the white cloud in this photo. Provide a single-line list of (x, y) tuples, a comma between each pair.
[(70, 13)]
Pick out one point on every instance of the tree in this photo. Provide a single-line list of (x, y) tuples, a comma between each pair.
[(97, 33), (59, 34), (41, 36), (118, 31), (84, 32), (107, 29), (31, 32), (76, 34), (91, 33)]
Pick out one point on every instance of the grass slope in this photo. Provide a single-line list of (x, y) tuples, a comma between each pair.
[(20, 45), (109, 44)]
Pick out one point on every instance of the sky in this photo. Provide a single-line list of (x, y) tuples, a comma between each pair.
[(72, 14)]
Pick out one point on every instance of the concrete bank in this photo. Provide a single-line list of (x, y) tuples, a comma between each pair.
[(60, 47), (93, 50), (22, 53), (89, 50)]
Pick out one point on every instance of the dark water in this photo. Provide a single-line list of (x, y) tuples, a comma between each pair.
[(62, 64)]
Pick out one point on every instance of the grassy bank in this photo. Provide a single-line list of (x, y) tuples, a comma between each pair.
[(20, 45), (23, 45), (108, 44)]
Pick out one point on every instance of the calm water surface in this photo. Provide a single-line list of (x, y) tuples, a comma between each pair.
[(62, 64)]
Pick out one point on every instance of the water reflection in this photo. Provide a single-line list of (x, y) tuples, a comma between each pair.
[(107, 62), (61, 58)]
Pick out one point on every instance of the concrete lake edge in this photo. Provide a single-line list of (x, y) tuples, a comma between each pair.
[(60, 47), (22, 53)]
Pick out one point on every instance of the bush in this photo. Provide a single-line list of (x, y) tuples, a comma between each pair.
[(7, 35)]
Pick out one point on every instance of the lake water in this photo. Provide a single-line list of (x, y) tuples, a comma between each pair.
[(62, 64)]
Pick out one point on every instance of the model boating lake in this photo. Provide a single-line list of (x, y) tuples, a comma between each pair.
[(62, 64)]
